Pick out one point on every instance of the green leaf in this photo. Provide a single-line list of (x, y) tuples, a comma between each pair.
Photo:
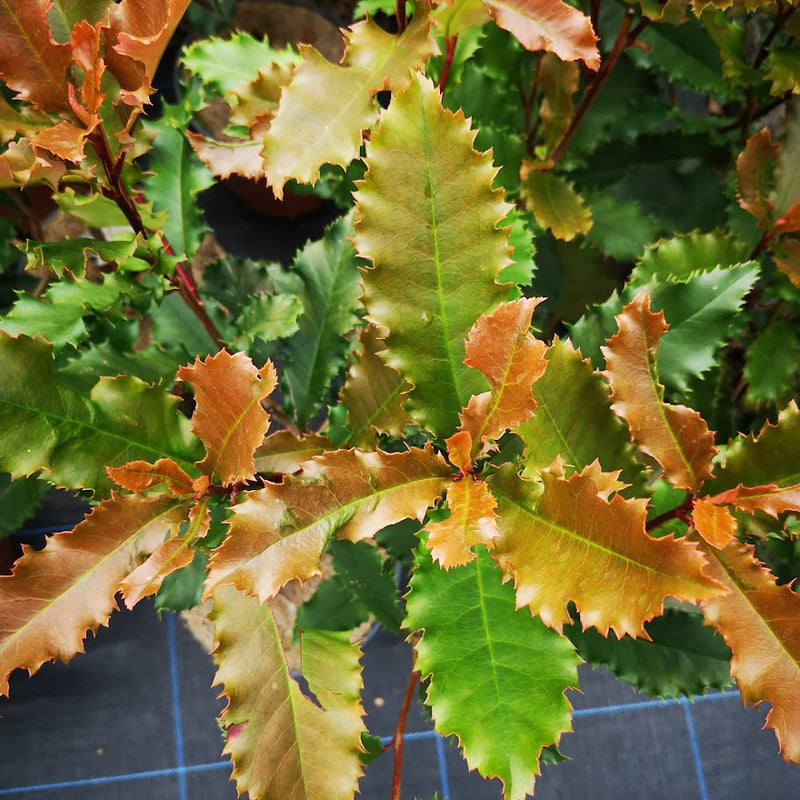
[(497, 674), (429, 222), (332, 608), (771, 366), (60, 315), (96, 210), (174, 179), (227, 64), (178, 330), (686, 54), (74, 254), (698, 309), (183, 589), (573, 419), (44, 426), (556, 205), (699, 313), (771, 457), (783, 69), (369, 579), (316, 353), (520, 238), (19, 499), (681, 256), (684, 657), (620, 230)]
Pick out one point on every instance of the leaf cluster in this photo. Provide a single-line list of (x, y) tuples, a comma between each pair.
[(543, 361)]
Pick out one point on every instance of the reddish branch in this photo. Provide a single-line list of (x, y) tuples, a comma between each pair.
[(680, 512), (115, 190), (625, 38), (448, 61), (397, 740)]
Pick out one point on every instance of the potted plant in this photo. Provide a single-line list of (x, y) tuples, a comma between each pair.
[(556, 378)]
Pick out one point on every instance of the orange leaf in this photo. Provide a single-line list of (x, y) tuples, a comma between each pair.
[(550, 25), (86, 44), (283, 452), (26, 164), (677, 437), (786, 255), (139, 32), (472, 521), (751, 174), (714, 523), (459, 451), (280, 532), (170, 555), (501, 347), (139, 476), (760, 622), (55, 595), (789, 222), (228, 417), (31, 63), (575, 546), (770, 498), (64, 140)]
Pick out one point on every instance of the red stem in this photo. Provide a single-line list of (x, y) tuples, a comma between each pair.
[(448, 61), (679, 512), (625, 38), (397, 740), (400, 15), (182, 280)]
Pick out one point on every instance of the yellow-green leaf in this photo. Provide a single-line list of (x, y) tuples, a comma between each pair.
[(283, 744), (556, 205), (428, 221)]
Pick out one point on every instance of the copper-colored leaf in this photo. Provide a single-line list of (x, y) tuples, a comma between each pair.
[(286, 745), (237, 157), (228, 416), (788, 222), (677, 437), (23, 164), (575, 546), (472, 521), (502, 348), (760, 622), (63, 140), (752, 173), (770, 498), (550, 25), (170, 555), (283, 452), (280, 532), (139, 32), (374, 393), (57, 594), (459, 451), (86, 53), (786, 255), (713, 522), (139, 476), (31, 63)]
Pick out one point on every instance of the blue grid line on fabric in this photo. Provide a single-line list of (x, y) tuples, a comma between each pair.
[(695, 746), (410, 736), (644, 705), (444, 778), (175, 694), (132, 776)]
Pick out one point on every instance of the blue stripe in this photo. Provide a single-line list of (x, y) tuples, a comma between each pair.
[(172, 647), (133, 776), (698, 761), (444, 778)]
